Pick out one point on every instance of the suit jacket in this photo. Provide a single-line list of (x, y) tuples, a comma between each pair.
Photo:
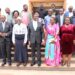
[(35, 35), (71, 20), (58, 19), (8, 30)]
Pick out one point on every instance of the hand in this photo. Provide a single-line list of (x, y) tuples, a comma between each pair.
[(0, 34), (4, 34), (43, 42), (29, 43), (74, 42), (14, 44), (24, 44), (52, 42)]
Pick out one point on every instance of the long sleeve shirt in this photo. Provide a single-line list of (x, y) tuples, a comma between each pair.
[(18, 30)]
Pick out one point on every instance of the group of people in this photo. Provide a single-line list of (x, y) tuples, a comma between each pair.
[(55, 32)]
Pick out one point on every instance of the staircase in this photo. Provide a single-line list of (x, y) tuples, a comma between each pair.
[(43, 67)]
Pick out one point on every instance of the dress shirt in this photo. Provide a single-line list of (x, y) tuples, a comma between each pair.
[(70, 14), (47, 20), (35, 25), (3, 25), (19, 29), (61, 20)]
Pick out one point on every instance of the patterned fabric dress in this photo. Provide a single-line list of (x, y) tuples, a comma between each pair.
[(52, 50)]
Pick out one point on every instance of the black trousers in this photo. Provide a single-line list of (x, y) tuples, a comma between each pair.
[(6, 51), (20, 52), (36, 46)]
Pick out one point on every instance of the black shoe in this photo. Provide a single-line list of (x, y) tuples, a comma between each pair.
[(18, 64), (32, 64), (3, 64), (9, 64), (24, 64), (39, 64)]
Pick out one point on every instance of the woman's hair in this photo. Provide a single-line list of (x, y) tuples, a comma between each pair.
[(14, 12), (68, 18)]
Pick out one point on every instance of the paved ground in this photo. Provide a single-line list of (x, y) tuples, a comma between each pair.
[(27, 72), (35, 70)]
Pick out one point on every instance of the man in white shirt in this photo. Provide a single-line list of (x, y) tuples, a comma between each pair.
[(60, 18), (19, 39), (69, 13)]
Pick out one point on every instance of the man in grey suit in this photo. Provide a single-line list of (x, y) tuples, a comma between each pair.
[(61, 17), (35, 29), (5, 34)]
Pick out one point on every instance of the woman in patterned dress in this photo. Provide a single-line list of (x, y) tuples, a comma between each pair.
[(52, 49)]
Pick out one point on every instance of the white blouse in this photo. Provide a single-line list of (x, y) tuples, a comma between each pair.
[(19, 29)]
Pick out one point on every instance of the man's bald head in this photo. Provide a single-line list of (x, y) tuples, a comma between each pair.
[(50, 11), (25, 7), (3, 18), (7, 10), (70, 8)]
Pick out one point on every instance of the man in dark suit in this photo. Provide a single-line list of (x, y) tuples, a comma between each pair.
[(35, 29), (60, 18), (73, 18), (5, 33)]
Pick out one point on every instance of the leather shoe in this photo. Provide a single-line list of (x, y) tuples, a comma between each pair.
[(3, 64), (32, 64), (18, 64)]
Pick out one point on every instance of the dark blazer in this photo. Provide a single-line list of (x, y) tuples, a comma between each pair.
[(8, 30), (71, 19), (58, 19), (35, 35)]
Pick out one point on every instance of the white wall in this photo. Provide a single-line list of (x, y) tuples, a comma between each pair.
[(12, 4), (70, 3), (17, 4)]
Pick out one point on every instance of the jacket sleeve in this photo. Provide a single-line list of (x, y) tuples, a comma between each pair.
[(9, 33), (28, 32)]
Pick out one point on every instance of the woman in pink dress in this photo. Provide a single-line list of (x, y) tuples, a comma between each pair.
[(52, 49)]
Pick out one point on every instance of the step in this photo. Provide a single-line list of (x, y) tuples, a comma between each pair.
[(43, 67)]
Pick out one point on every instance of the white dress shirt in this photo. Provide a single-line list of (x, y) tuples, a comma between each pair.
[(35, 25), (70, 14), (3, 25), (61, 19), (19, 29)]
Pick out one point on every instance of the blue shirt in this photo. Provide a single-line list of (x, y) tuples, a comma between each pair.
[(47, 20)]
